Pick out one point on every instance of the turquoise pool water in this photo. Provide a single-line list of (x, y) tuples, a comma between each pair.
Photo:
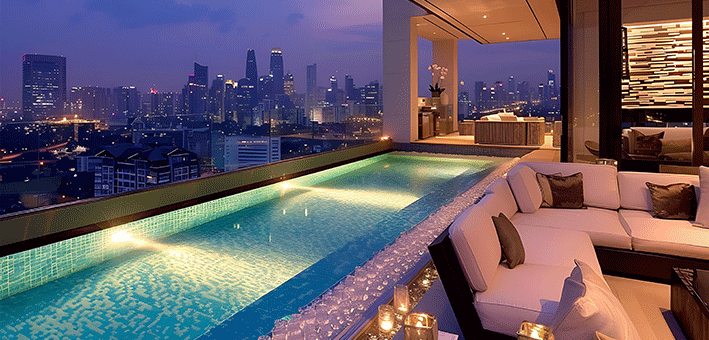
[(249, 267)]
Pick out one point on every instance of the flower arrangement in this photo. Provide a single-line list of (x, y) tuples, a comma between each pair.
[(438, 73)]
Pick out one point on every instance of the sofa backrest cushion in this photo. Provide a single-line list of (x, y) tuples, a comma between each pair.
[(523, 182), (600, 182), (475, 240), (635, 195), (504, 201)]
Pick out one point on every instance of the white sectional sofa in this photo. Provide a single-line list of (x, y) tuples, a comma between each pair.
[(616, 226)]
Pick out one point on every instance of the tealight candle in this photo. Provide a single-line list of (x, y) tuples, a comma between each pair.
[(534, 331), (401, 298), (386, 318), (420, 326)]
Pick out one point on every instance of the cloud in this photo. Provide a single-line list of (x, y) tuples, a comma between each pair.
[(144, 13), (294, 18)]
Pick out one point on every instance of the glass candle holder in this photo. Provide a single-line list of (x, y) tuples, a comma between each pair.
[(420, 326), (401, 298), (386, 317), (534, 331)]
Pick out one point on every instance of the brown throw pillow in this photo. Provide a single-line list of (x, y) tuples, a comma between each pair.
[(512, 247), (648, 144), (561, 191), (675, 201)]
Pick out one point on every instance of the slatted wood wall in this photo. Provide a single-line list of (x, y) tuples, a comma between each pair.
[(660, 60)]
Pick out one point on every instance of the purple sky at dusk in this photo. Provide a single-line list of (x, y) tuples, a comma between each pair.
[(152, 43)]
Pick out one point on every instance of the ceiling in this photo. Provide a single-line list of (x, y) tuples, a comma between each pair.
[(492, 21)]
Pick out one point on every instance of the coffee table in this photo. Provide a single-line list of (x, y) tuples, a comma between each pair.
[(688, 300)]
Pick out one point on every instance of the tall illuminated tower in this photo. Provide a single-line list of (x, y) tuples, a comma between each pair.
[(277, 71), (43, 86)]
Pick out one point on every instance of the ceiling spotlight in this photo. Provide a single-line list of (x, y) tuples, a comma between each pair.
[(485, 16), (508, 38), (503, 33)]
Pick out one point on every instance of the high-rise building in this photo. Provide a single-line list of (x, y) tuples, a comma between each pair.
[(478, 96), (163, 103), (266, 88), (511, 89), (198, 89), (245, 101), (251, 69), (247, 151), (498, 95), (289, 84), (277, 71), (90, 102), (230, 103), (523, 91), (125, 103), (43, 86), (350, 88), (371, 99), (311, 89), (464, 104), (216, 99), (333, 82)]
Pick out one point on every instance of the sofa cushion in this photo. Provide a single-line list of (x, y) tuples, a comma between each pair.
[(634, 194), (703, 206), (475, 241), (587, 305), (557, 247), (506, 203), (671, 237), (512, 247), (674, 201), (530, 292), (524, 185), (600, 182), (602, 225), (561, 191)]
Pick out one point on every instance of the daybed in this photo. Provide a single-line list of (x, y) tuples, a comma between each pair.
[(615, 231)]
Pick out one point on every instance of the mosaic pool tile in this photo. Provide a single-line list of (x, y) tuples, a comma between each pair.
[(200, 265)]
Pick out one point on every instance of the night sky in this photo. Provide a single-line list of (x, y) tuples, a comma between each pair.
[(152, 43)]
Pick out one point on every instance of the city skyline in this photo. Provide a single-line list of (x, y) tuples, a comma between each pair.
[(149, 51)]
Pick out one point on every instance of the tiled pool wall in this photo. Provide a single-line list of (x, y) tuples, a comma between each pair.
[(35, 267)]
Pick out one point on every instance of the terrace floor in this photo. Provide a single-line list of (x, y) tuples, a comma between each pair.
[(647, 304)]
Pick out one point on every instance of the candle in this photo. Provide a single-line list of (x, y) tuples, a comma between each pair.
[(420, 326), (401, 298), (386, 318)]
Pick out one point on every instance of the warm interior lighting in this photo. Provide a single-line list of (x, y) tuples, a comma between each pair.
[(385, 138), (286, 186), (485, 16)]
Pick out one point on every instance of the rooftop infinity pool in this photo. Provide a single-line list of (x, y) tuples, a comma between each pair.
[(274, 250)]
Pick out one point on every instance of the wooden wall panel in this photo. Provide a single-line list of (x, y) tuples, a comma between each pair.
[(660, 60)]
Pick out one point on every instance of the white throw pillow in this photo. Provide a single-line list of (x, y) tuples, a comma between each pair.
[(524, 185), (703, 204), (587, 305)]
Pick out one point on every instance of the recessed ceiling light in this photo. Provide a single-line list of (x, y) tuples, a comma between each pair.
[(485, 16), (503, 33), (508, 38)]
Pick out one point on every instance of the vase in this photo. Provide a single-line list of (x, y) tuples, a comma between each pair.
[(435, 94)]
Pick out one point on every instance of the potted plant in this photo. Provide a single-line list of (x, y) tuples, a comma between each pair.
[(438, 73)]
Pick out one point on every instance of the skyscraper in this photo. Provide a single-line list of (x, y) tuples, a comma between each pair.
[(333, 82), (511, 89), (289, 84), (216, 99), (198, 89), (349, 88), (251, 70), (90, 102), (251, 83), (277, 71), (43, 86), (125, 102), (311, 89), (478, 95)]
